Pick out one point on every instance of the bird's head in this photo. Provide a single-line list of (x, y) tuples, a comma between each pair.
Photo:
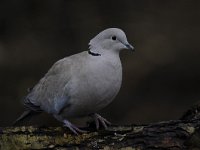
[(111, 39)]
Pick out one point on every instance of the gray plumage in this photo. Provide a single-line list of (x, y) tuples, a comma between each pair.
[(81, 84)]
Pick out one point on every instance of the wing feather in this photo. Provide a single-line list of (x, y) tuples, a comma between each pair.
[(49, 94)]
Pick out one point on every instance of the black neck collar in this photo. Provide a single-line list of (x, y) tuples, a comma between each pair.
[(93, 54)]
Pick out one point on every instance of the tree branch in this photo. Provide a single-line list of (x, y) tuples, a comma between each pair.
[(172, 135)]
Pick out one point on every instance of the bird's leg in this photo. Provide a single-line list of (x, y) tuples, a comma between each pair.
[(72, 127), (98, 119)]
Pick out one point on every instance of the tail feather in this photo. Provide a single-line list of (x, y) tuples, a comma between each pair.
[(25, 116)]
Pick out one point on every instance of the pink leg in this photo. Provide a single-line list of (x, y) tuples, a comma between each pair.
[(72, 127), (98, 119)]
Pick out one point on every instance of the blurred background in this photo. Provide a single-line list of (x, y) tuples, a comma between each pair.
[(161, 80)]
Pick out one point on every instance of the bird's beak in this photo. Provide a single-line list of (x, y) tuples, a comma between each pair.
[(129, 46)]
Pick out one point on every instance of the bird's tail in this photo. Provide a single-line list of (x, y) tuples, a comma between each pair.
[(26, 115)]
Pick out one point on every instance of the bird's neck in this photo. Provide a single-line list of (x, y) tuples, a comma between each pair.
[(93, 53), (102, 52)]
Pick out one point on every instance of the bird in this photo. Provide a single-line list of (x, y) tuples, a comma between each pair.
[(81, 84)]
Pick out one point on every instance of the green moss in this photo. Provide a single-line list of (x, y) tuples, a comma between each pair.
[(189, 129), (25, 138)]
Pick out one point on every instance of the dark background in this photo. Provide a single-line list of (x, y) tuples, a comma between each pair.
[(160, 80)]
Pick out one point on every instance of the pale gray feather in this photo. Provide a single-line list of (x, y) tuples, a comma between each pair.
[(81, 84)]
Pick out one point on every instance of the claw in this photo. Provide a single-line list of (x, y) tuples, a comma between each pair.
[(73, 128), (98, 119), (96, 122)]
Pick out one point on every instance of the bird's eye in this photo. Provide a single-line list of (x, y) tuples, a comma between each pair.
[(114, 38)]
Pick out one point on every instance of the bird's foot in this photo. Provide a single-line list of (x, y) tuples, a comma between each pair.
[(98, 119), (73, 128)]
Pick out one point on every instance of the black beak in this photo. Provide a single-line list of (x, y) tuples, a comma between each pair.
[(129, 46)]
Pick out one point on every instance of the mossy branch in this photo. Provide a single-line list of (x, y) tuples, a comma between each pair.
[(172, 135)]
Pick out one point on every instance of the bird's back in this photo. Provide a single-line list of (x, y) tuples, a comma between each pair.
[(49, 93)]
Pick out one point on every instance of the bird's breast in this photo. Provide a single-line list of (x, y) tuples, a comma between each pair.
[(96, 86)]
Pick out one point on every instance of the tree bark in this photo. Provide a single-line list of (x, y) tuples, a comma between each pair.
[(168, 135)]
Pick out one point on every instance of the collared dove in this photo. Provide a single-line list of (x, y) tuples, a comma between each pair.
[(81, 84)]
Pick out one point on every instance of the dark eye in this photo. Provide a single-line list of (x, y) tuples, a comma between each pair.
[(114, 38)]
